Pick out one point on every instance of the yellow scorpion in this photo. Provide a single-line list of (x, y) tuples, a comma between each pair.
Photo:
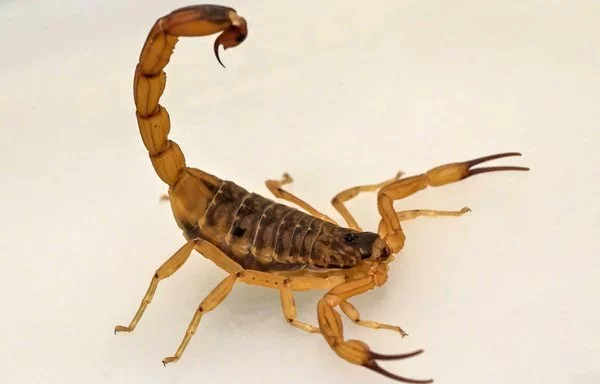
[(258, 241)]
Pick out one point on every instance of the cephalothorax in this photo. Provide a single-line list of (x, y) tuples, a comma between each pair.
[(258, 241)]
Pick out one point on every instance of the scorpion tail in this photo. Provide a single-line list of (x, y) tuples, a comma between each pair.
[(150, 79)]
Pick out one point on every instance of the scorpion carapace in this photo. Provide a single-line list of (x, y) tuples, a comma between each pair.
[(258, 241)]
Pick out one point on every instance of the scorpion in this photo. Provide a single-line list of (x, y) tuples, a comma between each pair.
[(260, 242)]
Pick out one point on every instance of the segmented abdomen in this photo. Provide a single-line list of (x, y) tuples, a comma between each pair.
[(258, 233)]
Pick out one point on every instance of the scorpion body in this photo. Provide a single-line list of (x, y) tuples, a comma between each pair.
[(262, 235), (261, 242)]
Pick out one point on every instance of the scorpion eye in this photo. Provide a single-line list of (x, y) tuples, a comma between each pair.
[(350, 237), (238, 231)]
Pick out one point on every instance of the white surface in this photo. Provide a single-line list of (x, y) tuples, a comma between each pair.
[(337, 93)]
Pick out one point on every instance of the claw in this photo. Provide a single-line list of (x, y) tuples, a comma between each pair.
[(451, 173), (379, 356), (372, 365), (471, 163), (359, 353)]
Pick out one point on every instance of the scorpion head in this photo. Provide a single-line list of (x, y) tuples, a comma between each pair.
[(368, 245), (345, 248)]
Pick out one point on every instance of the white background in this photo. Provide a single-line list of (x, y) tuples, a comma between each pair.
[(337, 93)]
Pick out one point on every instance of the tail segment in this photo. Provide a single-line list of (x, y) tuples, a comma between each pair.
[(150, 79)]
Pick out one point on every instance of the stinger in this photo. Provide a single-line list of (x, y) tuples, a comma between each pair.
[(231, 37)]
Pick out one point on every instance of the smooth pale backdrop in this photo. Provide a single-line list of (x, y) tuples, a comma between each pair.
[(337, 93)]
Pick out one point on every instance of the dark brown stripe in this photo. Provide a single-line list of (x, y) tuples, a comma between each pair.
[(283, 244), (264, 244), (303, 226)]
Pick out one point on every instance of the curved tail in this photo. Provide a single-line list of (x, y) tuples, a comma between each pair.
[(150, 79)]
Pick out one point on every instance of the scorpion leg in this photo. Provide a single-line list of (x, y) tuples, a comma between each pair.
[(354, 351), (214, 298), (353, 314), (347, 194), (289, 309), (285, 285), (167, 269), (275, 186), (444, 174), (217, 256), (414, 213)]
